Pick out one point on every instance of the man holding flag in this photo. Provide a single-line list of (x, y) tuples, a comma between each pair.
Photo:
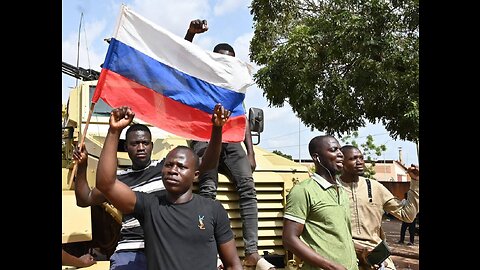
[(178, 222), (170, 82)]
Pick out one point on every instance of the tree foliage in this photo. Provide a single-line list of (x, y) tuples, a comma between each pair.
[(339, 63), (278, 152)]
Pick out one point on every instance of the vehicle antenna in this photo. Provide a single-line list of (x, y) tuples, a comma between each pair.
[(86, 46), (92, 105), (78, 45), (65, 119)]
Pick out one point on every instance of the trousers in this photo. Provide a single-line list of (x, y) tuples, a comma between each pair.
[(234, 164), (411, 231), (128, 260)]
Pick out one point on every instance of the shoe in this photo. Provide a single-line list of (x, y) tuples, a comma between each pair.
[(400, 242), (409, 244)]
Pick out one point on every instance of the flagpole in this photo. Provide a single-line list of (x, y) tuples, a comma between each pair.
[(75, 165)]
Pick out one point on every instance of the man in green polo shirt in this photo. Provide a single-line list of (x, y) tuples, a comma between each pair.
[(316, 225)]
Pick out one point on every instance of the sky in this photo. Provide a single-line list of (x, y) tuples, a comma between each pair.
[(228, 21)]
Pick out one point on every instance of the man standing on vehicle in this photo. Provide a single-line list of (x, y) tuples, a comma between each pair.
[(238, 167)]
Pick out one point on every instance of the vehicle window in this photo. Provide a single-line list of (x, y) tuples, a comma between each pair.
[(101, 108)]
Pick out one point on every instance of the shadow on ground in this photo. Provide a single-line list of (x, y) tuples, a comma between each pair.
[(405, 257)]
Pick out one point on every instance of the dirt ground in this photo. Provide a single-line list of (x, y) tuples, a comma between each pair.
[(405, 257)]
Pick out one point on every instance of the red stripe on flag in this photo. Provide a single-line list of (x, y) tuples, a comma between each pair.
[(163, 112), (98, 88)]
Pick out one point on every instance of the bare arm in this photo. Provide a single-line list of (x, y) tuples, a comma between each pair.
[(249, 146), (196, 26), (82, 261), (119, 194), (84, 195), (414, 172), (291, 241), (362, 253), (228, 255), (220, 114), (212, 153)]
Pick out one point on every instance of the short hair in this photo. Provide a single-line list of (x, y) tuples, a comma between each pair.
[(315, 142), (223, 46), (348, 147), (195, 156), (137, 127)]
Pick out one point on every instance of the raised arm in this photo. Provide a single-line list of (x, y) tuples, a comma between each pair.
[(119, 194), (414, 172), (212, 153), (84, 195), (291, 241), (407, 211), (196, 26)]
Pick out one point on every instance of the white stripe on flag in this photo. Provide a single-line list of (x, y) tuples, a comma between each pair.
[(222, 70)]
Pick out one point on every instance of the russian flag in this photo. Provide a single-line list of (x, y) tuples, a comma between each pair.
[(170, 82)]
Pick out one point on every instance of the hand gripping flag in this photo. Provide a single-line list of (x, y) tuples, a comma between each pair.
[(170, 82)]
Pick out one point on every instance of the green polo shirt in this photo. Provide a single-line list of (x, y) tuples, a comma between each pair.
[(324, 211)]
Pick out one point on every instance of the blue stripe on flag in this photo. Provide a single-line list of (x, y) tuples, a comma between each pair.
[(170, 82)]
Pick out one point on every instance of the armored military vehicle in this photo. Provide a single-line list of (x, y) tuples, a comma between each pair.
[(95, 229)]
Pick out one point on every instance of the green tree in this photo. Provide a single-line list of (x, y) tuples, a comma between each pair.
[(278, 152), (369, 149), (339, 63)]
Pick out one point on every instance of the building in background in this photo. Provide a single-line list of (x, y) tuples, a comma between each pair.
[(391, 173)]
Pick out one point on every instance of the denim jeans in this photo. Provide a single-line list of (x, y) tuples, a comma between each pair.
[(128, 260), (411, 231), (235, 166)]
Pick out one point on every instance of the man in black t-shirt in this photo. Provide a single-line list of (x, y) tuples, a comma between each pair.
[(178, 222)]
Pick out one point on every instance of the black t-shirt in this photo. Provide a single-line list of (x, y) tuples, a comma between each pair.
[(182, 236)]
